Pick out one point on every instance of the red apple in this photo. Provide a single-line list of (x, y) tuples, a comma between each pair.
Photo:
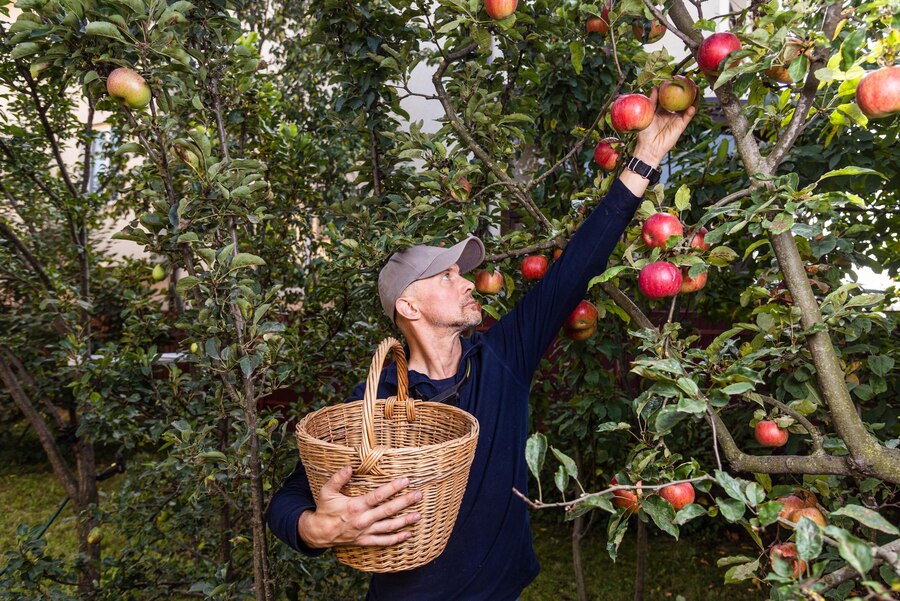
[(463, 184), (808, 512), (128, 87), (599, 24), (808, 497), (791, 504), (713, 51), (582, 322), (677, 95), (626, 499), (500, 9), (557, 253), (697, 240), (878, 93), (768, 434), (631, 112), (534, 267), (657, 30), (607, 153), (788, 553), (659, 227), (660, 279), (793, 48), (689, 284), (678, 495), (488, 282)]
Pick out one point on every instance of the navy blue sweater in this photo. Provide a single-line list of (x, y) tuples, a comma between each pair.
[(489, 556)]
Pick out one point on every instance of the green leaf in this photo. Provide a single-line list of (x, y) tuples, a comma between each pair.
[(683, 198), (852, 171), (731, 485), (867, 517), (24, 49), (691, 405), (854, 551), (576, 49), (567, 462), (662, 514), (612, 426), (688, 385), (561, 479), (129, 147), (721, 256), (667, 418), (607, 275), (809, 539), (732, 509), (755, 494), (535, 452), (688, 513), (186, 283), (880, 364), (768, 512), (211, 456), (782, 223), (738, 388), (245, 260), (741, 572), (599, 501), (723, 562), (618, 526), (105, 29)]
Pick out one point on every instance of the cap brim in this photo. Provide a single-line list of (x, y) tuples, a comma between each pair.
[(467, 254)]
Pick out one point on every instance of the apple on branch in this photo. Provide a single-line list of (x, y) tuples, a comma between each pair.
[(654, 33), (659, 227), (534, 267), (714, 50), (631, 112), (878, 93), (678, 495), (599, 24), (582, 322), (697, 240), (770, 434), (689, 284), (488, 282), (788, 552), (500, 9), (626, 499), (128, 87), (606, 155), (659, 280)]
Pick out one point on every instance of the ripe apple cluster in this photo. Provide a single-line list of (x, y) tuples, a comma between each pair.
[(661, 279)]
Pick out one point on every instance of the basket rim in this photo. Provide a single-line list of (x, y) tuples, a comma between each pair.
[(306, 437)]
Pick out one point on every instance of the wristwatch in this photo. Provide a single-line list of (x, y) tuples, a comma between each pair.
[(643, 169)]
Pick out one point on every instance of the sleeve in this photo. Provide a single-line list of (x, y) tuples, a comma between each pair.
[(293, 498), (522, 336)]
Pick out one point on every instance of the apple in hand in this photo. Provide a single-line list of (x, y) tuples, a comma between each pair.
[(660, 279), (678, 495), (128, 87), (657, 30), (878, 93), (714, 49), (689, 284), (488, 282), (626, 499), (534, 267), (631, 112), (788, 552), (607, 153), (500, 9), (677, 95), (697, 240), (582, 322), (769, 434), (659, 227)]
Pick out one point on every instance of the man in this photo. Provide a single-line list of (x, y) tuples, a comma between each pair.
[(489, 556)]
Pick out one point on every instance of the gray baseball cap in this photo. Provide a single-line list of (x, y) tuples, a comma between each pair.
[(423, 261)]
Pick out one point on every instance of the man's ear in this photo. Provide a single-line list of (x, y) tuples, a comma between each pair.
[(407, 307)]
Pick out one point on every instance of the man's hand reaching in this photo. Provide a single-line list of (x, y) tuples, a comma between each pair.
[(367, 520)]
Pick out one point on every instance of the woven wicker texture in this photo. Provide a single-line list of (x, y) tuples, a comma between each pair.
[(432, 444)]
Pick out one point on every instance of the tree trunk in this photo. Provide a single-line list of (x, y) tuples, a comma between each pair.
[(264, 589), (579, 528), (85, 506), (225, 525), (641, 563)]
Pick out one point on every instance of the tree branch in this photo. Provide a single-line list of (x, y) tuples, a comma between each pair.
[(627, 305), (30, 174), (473, 145), (777, 464), (15, 206), (689, 40), (10, 235), (527, 250), (846, 573), (23, 374), (20, 398), (584, 496)]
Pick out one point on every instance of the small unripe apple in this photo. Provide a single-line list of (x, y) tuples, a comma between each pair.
[(788, 552), (488, 282), (677, 95), (158, 272), (678, 495), (195, 347), (659, 227), (656, 30), (714, 50), (878, 93), (128, 87), (631, 112), (534, 267), (697, 240), (95, 535), (500, 9), (659, 280), (769, 434), (606, 155)]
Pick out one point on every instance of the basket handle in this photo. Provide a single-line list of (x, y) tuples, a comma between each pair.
[(378, 360)]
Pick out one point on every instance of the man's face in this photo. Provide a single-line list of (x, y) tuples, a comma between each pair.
[(445, 300)]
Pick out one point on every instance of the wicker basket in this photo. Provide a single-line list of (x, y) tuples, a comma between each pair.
[(430, 443)]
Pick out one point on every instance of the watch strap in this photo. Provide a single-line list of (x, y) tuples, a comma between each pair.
[(643, 169)]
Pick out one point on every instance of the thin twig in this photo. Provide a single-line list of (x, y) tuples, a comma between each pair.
[(581, 498)]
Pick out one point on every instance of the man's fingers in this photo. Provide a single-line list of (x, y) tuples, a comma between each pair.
[(394, 524), (386, 510), (383, 540), (337, 481), (386, 491), (653, 95)]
